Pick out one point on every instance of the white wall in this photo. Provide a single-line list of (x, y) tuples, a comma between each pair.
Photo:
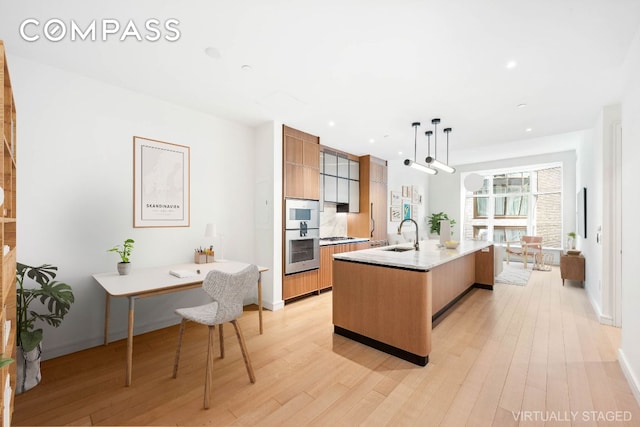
[(629, 353), (268, 166), (398, 175), (592, 161), (445, 195), (75, 192)]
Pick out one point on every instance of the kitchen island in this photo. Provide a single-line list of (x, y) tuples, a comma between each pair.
[(388, 297)]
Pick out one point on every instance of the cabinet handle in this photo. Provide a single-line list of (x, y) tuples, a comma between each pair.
[(373, 221)]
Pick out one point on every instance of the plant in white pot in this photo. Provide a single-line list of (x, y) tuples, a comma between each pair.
[(124, 250), (56, 298)]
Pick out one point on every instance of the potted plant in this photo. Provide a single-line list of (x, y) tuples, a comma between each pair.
[(434, 222), (124, 250), (571, 240), (55, 297)]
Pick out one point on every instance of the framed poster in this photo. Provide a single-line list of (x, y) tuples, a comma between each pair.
[(415, 196), (581, 204), (161, 184), (395, 213), (406, 210), (396, 199)]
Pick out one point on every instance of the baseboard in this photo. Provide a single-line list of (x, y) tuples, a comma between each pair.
[(278, 305), (602, 319), (49, 352), (632, 379), (139, 328)]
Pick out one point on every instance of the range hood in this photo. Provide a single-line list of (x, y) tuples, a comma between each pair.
[(342, 207)]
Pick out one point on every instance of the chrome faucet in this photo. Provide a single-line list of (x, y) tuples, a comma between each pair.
[(417, 246)]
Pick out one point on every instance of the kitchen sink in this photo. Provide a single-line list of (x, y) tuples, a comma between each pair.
[(399, 249)]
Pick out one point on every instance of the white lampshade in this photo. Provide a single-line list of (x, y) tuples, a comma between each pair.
[(210, 231)]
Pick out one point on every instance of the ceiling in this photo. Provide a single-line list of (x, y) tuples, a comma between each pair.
[(372, 67)]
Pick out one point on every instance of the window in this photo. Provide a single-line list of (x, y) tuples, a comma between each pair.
[(515, 203)]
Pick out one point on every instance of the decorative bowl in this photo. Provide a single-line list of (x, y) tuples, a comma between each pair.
[(573, 252), (451, 244)]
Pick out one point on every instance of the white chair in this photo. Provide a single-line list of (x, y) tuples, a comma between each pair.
[(227, 291)]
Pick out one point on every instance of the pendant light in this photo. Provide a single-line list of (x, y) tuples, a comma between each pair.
[(413, 163), (431, 161)]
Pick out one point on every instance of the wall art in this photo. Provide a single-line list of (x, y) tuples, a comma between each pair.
[(161, 192)]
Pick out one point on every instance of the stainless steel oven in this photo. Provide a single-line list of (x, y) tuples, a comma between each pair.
[(302, 235), (302, 252)]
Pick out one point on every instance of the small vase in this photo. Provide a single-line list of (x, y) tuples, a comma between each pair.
[(445, 231), (28, 369), (124, 268)]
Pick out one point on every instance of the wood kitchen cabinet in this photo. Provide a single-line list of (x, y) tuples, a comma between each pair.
[(371, 221), (301, 152), (326, 260), (298, 284)]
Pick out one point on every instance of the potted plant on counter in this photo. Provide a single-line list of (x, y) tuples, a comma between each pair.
[(434, 222), (56, 298), (124, 250)]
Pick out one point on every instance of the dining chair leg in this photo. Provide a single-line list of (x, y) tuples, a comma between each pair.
[(221, 335), (209, 370), (180, 334), (245, 353)]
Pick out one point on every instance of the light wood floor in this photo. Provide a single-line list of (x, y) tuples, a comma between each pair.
[(533, 348)]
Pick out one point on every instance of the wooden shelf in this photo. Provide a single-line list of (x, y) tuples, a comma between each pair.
[(8, 233)]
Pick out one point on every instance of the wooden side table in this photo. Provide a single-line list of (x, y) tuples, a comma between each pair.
[(572, 267)]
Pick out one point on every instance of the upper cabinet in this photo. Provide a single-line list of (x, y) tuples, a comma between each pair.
[(371, 222), (339, 177), (301, 164)]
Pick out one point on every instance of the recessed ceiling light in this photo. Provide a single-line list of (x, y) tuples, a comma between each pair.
[(332, 123), (528, 130), (212, 52), (511, 64), (246, 68), (372, 140), (521, 105), (400, 153)]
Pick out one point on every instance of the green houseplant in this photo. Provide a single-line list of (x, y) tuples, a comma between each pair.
[(56, 299), (434, 222), (124, 250)]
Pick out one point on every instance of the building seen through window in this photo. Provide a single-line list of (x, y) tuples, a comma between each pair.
[(516, 203)]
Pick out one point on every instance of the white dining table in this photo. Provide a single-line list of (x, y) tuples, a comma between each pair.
[(154, 281)]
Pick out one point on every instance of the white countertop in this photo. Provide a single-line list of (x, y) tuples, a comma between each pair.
[(428, 257), (340, 242)]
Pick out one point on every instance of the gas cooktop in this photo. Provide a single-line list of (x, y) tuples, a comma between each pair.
[(332, 239)]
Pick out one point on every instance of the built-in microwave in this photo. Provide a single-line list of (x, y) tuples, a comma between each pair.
[(301, 213)]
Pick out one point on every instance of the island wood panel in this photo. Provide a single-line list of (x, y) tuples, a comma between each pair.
[(390, 305), (295, 285), (451, 279), (485, 274)]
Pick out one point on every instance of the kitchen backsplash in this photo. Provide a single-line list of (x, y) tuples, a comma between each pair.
[(332, 223)]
